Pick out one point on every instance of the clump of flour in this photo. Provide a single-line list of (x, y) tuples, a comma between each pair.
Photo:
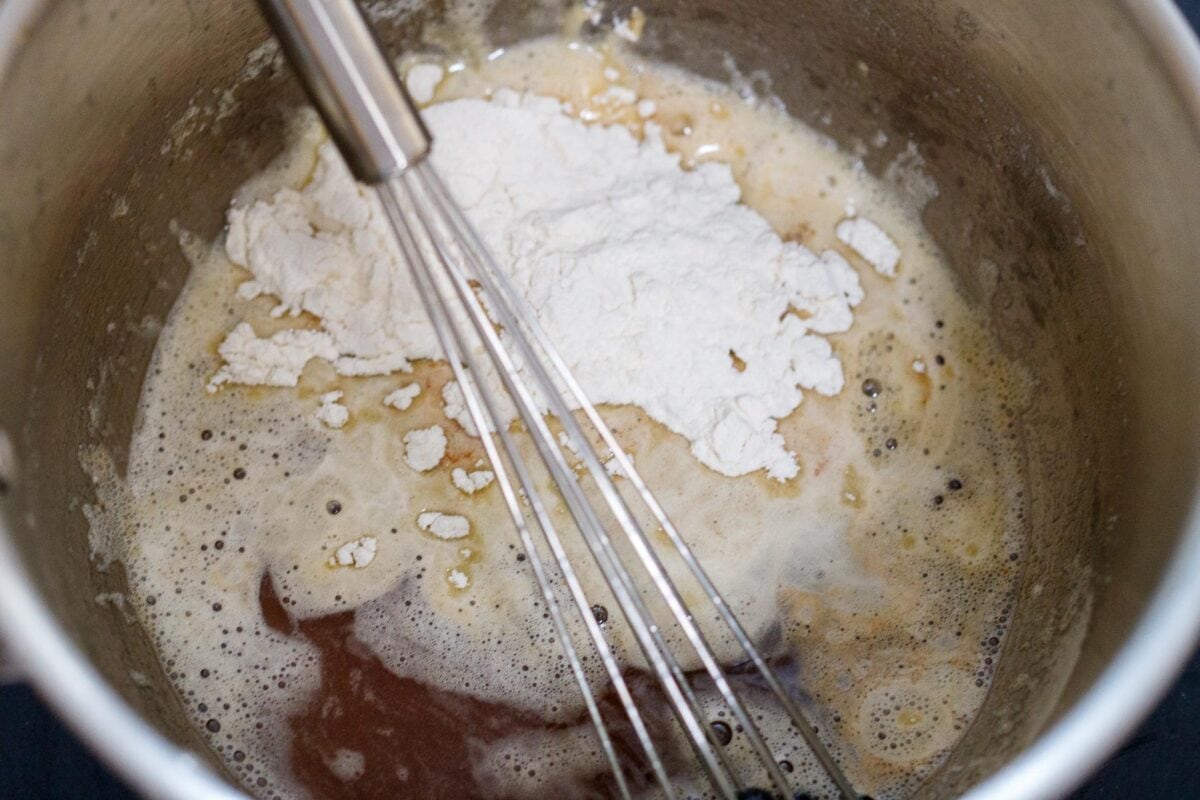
[(872, 243), (658, 286), (331, 412)]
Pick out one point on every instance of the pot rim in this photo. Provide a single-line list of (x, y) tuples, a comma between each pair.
[(1057, 762)]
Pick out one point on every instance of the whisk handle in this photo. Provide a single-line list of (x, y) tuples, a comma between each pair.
[(366, 108)]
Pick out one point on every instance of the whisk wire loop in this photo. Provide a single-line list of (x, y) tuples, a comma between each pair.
[(524, 316), (663, 662), (478, 256), (445, 255)]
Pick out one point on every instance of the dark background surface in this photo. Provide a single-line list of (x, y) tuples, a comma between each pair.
[(40, 759)]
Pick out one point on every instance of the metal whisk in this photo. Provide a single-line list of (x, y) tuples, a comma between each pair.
[(470, 300)]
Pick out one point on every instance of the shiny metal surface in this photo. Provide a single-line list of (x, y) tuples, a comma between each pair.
[(442, 247), (364, 105), (1064, 138)]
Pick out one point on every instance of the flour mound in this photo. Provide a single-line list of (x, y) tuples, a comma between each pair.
[(660, 289)]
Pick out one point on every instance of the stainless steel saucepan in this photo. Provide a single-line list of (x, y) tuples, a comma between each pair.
[(1064, 137)]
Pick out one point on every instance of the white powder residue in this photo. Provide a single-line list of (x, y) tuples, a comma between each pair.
[(120, 207), (568, 443), (357, 554), (458, 579), (352, 366), (617, 95), (455, 407), (425, 447), (630, 29), (347, 765), (114, 599), (471, 482), (331, 412), (613, 467), (422, 81), (872, 243), (443, 526), (403, 397), (644, 274), (276, 361), (907, 173)]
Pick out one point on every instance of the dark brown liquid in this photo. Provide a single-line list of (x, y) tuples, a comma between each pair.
[(417, 741)]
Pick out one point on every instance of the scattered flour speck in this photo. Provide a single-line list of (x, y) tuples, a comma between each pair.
[(403, 397), (471, 482), (332, 413), (444, 526), (357, 554), (872, 243), (425, 447)]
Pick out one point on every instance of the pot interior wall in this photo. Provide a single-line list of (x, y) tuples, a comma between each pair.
[(110, 101)]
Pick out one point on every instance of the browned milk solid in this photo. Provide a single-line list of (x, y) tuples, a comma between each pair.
[(881, 578)]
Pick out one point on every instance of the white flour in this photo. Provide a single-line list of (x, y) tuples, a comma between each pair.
[(274, 361), (455, 407), (403, 397), (472, 482), (872, 243), (444, 526), (424, 448), (658, 286), (331, 412), (421, 81), (358, 554)]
